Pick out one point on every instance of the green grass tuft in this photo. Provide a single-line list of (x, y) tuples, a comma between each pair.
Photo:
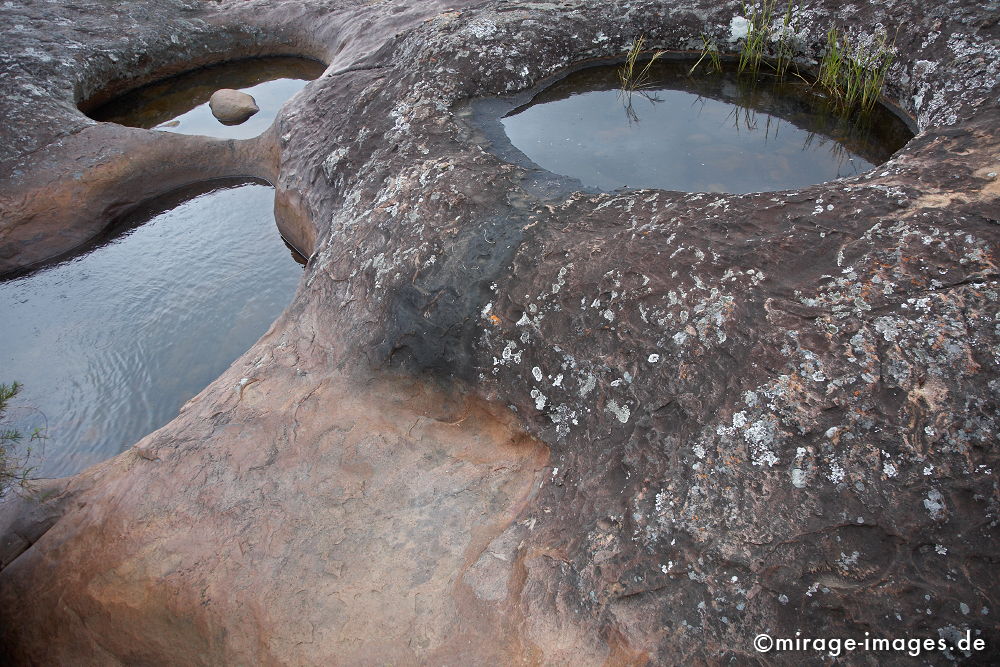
[(631, 77), (789, 27), (13, 468), (758, 36), (761, 32), (853, 74), (710, 50)]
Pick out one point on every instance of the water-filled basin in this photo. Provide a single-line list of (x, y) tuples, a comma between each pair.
[(110, 343), (180, 103), (707, 132)]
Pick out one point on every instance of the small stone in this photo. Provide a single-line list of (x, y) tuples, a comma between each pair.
[(231, 107)]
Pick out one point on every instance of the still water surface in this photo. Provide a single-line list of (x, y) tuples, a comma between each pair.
[(110, 343), (708, 132), (180, 103)]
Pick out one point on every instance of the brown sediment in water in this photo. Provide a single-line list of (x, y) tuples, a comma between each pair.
[(164, 101)]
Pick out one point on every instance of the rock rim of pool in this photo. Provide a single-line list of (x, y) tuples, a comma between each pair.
[(502, 422), (232, 107)]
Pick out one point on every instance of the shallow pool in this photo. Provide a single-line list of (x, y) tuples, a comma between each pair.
[(180, 103), (111, 342), (708, 132)]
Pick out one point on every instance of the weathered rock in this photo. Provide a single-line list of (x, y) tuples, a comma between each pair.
[(499, 425), (232, 107)]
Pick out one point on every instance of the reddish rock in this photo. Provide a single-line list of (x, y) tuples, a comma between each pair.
[(435, 456)]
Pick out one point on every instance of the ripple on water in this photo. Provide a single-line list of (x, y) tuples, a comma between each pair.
[(111, 342)]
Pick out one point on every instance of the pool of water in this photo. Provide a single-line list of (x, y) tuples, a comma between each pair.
[(110, 343), (708, 132), (180, 103)]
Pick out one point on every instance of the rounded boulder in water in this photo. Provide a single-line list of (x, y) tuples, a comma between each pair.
[(232, 107)]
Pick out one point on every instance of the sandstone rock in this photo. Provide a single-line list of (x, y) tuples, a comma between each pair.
[(451, 454), (232, 107)]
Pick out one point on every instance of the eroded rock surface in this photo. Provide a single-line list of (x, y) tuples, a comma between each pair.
[(501, 424)]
